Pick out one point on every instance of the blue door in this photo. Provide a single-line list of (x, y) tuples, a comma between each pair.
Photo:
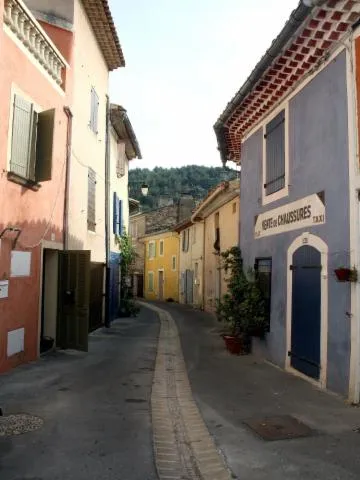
[(306, 311)]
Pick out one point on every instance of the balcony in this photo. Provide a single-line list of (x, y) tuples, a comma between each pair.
[(26, 28)]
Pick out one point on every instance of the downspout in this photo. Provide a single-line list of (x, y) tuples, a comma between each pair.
[(107, 197), (69, 115)]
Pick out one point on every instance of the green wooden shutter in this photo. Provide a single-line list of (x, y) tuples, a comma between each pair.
[(44, 145), (21, 137)]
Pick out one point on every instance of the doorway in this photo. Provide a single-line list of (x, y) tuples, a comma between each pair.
[(305, 351), (49, 300)]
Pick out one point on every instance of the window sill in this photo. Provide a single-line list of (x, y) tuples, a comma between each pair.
[(24, 182), (266, 199)]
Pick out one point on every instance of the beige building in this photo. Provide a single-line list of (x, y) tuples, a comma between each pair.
[(220, 215), (191, 256), (137, 229)]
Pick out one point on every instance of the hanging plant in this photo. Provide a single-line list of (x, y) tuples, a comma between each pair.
[(346, 274)]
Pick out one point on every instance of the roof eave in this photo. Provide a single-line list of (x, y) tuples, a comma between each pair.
[(122, 125)]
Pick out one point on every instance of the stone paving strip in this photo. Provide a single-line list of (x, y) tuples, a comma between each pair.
[(183, 446)]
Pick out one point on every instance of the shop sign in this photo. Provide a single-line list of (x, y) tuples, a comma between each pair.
[(306, 212)]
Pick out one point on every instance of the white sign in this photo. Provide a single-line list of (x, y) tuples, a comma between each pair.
[(303, 213), (4, 288), (20, 264)]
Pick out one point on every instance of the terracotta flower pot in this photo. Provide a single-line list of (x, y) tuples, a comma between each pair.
[(343, 274), (237, 345)]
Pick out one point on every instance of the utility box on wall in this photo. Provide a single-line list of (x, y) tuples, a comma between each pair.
[(4, 289)]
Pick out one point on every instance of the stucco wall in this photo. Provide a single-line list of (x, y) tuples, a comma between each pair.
[(318, 161), (195, 254), (137, 230), (171, 277), (88, 148), (38, 214), (229, 237)]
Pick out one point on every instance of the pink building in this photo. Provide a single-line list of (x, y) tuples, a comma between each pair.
[(33, 153)]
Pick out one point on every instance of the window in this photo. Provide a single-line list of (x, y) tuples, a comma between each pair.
[(275, 154), (134, 230), (151, 282), (31, 143), (263, 268), (120, 164), (91, 200), (161, 247), (217, 232), (234, 207), (173, 263), (152, 250), (94, 111), (185, 240), (117, 215), (194, 234)]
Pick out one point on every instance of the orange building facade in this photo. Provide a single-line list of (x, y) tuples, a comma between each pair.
[(34, 89)]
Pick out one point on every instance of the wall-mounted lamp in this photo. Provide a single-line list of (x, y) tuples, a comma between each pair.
[(16, 230)]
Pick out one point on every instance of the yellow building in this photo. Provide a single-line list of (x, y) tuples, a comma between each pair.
[(161, 266)]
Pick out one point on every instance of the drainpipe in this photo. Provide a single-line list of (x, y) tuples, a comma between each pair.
[(107, 222), (69, 115)]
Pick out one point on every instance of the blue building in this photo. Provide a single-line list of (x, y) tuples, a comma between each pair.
[(292, 127)]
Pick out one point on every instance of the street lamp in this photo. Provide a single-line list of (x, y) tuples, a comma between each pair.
[(144, 189)]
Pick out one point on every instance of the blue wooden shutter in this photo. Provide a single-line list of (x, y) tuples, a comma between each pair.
[(115, 214), (275, 154), (120, 217)]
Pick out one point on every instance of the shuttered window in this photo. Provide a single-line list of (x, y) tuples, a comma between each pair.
[(121, 226), (94, 111), (32, 141), (275, 154), (161, 247), (173, 263), (151, 281), (152, 249), (91, 200), (115, 214)]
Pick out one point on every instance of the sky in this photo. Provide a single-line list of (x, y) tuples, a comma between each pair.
[(185, 59)]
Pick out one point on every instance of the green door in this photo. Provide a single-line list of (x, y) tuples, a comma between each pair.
[(73, 301)]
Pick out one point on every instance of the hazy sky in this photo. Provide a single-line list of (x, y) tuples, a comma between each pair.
[(185, 59)]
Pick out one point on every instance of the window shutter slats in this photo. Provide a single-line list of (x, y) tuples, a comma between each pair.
[(120, 222), (21, 137), (275, 154), (115, 214)]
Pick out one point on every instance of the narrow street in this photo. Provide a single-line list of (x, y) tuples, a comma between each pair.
[(95, 409), (159, 397)]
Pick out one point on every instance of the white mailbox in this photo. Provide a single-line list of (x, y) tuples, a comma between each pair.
[(4, 288)]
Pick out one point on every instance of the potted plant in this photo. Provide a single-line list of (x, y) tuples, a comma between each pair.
[(242, 308), (346, 274)]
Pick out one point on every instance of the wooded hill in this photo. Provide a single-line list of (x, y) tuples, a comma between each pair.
[(173, 182)]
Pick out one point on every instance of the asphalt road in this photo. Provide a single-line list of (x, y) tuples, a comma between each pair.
[(229, 390), (95, 407)]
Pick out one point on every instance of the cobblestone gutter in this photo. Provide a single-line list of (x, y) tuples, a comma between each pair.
[(183, 447)]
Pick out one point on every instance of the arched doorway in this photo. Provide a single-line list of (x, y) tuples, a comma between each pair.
[(306, 311), (307, 307)]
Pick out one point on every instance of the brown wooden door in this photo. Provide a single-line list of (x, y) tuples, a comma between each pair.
[(73, 299)]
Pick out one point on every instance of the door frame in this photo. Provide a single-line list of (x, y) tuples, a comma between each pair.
[(44, 245), (310, 240)]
